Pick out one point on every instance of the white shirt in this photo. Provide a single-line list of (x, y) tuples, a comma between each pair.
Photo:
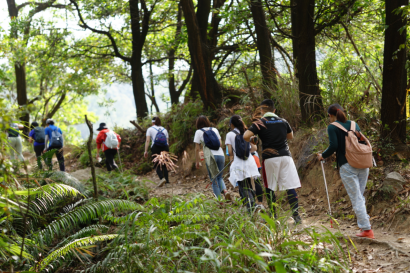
[(199, 136), (153, 133), (240, 169), (230, 139)]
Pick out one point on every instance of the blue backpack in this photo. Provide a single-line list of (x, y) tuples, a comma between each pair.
[(211, 140), (242, 147), (160, 139)]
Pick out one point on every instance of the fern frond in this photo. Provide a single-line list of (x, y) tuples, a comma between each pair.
[(85, 214), (123, 219), (65, 250), (87, 231), (49, 195)]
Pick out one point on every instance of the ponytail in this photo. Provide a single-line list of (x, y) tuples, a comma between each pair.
[(338, 111), (238, 123)]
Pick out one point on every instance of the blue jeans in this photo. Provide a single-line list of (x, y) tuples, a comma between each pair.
[(355, 181), (218, 184)]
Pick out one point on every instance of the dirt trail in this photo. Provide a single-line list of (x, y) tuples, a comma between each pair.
[(390, 252)]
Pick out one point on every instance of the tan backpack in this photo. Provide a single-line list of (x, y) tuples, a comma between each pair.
[(359, 152)]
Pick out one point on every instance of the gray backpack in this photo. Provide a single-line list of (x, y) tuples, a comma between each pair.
[(56, 139), (39, 135)]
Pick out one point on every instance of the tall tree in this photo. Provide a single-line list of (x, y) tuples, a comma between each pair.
[(306, 24), (173, 92), (201, 47), (393, 111), (24, 30), (139, 16), (266, 59)]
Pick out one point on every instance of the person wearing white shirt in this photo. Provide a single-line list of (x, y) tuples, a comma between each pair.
[(156, 149), (241, 170), (218, 185)]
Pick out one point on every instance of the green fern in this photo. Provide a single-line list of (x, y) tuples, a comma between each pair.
[(84, 214), (63, 251)]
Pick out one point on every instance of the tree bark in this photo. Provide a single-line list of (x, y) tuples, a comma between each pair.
[(20, 72), (266, 59), (201, 55), (393, 111), (90, 155), (309, 93), (171, 61), (295, 32)]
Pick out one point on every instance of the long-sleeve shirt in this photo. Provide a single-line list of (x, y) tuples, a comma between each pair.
[(337, 142), (101, 139)]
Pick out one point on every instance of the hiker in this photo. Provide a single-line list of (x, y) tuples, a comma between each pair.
[(353, 179), (109, 142), (37, 137), (210, 139), (54, 135), (278, 169), (160, 143), (243, 166), (14, 140)]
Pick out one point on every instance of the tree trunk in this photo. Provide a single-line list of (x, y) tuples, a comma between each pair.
[(153, 98), (264, 47), (309, 93), (393, 111), (197, 24), (295, 33), (20, 72), (171, 61), (138, 40), (138, 89)]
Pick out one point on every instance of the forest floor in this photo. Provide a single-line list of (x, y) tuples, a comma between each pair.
[(389, 252)]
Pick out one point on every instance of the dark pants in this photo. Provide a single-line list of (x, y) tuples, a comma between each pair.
[(161, 170), (38, 149), (60, 158), (259, 190), (292, 199), (109, 159), (246, 193)]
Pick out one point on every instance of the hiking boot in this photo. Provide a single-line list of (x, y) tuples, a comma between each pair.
[(228, 196), (366, 233), (162, 182), (297, 219)]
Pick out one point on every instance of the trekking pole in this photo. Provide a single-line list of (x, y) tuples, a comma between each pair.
[(327, 194), (213, 179), (119, 157)]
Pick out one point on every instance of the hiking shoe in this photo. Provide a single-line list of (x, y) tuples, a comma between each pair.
[(366, 233), (228, 196), (297, 219), (162, 182)]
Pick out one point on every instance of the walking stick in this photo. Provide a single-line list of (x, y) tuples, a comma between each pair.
[(119, 157), (213, 179), (327, 194)]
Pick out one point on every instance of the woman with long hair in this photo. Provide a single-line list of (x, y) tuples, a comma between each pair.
[(218, 185), (353, 179), (242, 170)]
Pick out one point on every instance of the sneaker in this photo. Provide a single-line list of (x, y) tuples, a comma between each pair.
[(297, 219), (366, 233), (162, 182)]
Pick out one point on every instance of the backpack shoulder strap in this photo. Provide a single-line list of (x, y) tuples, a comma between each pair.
[(202, 130), (235, 132), (154, 128), (352, 126), (340, 126)]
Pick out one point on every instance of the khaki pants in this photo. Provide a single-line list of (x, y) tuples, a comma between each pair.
[(16, 147)]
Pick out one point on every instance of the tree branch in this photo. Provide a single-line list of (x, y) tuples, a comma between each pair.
[(138, 126), (335, 20), (185, 82), (106, 33)]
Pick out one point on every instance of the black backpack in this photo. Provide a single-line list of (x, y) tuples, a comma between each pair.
[(242, 147), (211, 140), (39, 135)]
